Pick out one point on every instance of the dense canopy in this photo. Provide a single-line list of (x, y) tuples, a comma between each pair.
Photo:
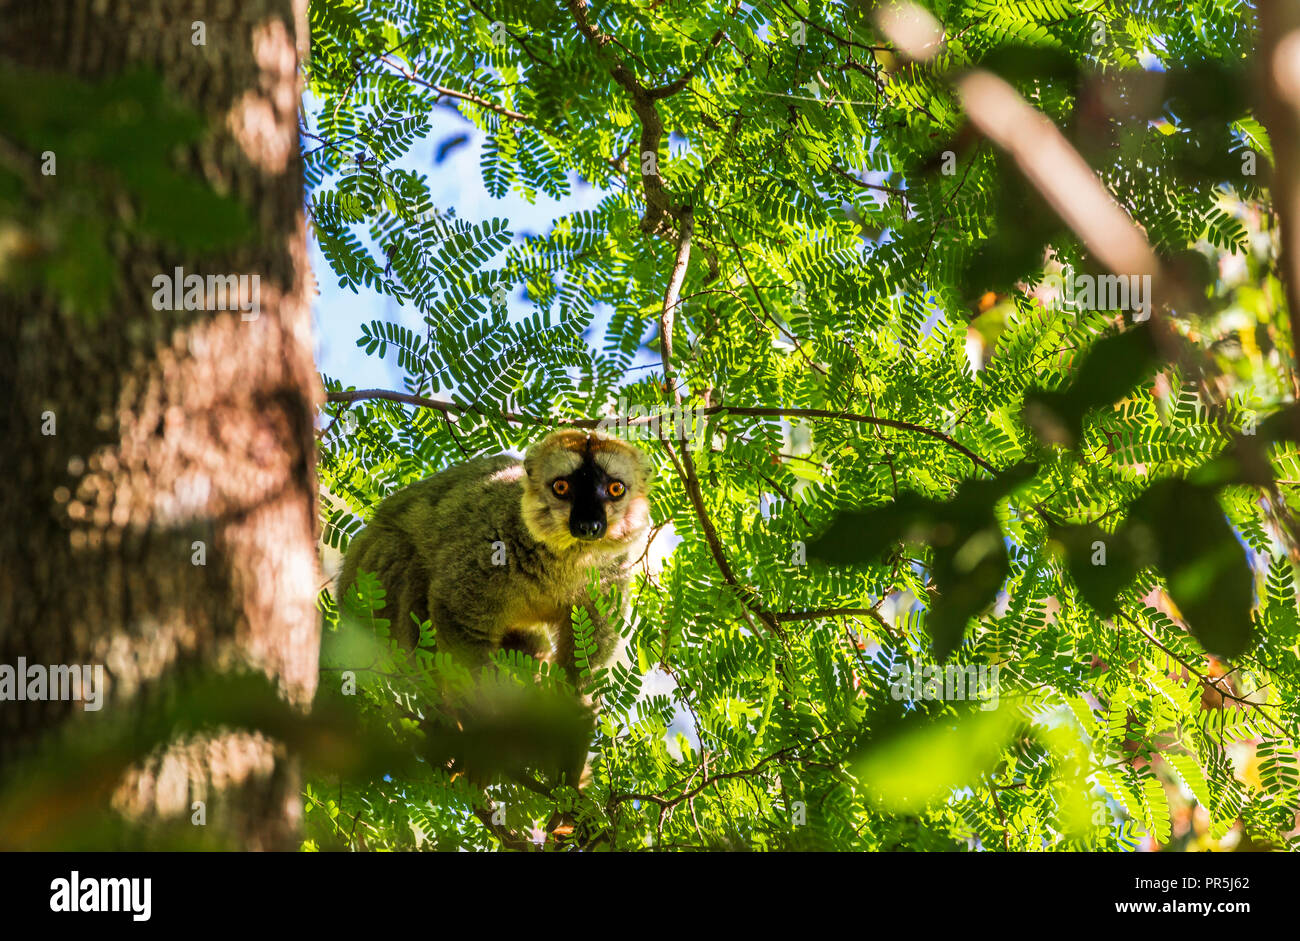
[(970, 420)]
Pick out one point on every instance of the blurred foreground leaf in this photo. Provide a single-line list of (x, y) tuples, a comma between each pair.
[(970, 557), (919, 760)]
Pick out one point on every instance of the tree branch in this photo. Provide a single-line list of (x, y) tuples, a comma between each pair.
[(659, 203), (762, 305), (667, 317), (507, 839), (1204, 680), (666, 802), (879, 187), (684, 79), (1279, 34), (452, 408), (453, 93), (819, 613)]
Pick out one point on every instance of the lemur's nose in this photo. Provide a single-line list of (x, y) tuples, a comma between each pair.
[(588, 529)]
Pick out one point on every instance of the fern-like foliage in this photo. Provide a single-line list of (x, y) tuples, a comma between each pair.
[(867, 325)]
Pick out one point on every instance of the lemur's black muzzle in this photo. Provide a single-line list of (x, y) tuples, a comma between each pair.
[(589, 528), (587, 515)]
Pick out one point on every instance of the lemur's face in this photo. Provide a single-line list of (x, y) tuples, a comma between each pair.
[(586, 489)]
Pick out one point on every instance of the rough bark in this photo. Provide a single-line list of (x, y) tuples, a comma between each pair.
[(1279, 74), (172, 427)]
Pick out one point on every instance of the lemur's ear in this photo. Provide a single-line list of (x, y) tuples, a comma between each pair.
[(530, 459), (646, 465), (538, 451)]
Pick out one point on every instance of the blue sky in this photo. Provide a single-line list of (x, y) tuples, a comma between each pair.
[(456, 184)]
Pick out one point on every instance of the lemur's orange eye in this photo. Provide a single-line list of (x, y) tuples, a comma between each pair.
[(561, 487), (616, 489)]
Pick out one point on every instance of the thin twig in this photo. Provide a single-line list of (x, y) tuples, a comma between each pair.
[(356, 395)]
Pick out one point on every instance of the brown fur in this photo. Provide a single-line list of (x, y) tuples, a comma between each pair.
[(483, 550)]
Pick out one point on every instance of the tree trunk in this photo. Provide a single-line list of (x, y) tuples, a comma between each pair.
[(167, 526)]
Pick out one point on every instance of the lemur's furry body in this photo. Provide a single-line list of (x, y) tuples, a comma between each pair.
[(494, 557)]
